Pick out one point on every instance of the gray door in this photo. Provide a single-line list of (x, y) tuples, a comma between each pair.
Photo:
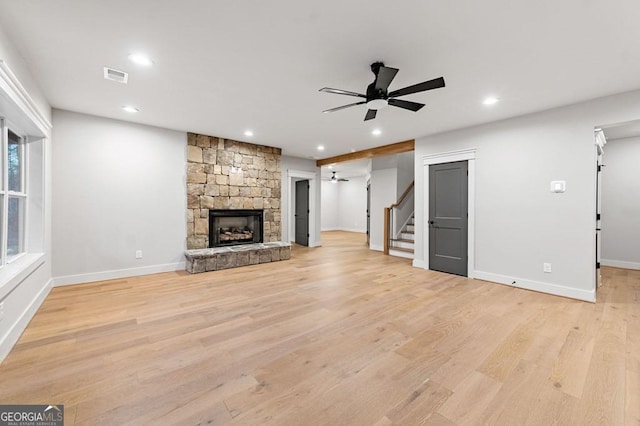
[(302, 212), (448, 188)]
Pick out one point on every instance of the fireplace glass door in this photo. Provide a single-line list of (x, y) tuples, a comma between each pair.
[(232, 227)]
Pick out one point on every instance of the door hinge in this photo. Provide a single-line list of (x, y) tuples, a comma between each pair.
[(597, 265), (308, 235), (598, 216), (308, 211)]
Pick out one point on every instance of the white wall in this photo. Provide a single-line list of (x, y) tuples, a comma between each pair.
[(405, 177), (119, 187), (25, 283), (352, 204), (330, 206), (405, 171), (383, 194), (621, 204), (519, 223), (344, 205), (10, 55), (289, 164)]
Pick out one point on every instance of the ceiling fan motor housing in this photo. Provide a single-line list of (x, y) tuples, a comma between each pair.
[(376, 98)]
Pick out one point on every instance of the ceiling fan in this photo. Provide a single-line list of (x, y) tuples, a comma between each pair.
[(378, 96), (335, 179)]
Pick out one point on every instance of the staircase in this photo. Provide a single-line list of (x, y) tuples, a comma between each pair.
[(402, 245)]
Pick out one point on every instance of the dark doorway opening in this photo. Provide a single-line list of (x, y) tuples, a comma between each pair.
[(302, 213)]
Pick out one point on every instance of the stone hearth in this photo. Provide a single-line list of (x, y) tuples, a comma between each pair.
[(213, 259)]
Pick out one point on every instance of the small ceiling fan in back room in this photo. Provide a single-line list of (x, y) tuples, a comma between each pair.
[(336, 179), (378, 96)]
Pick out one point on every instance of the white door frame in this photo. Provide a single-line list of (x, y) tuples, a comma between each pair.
[(468, 155), (312, 177)]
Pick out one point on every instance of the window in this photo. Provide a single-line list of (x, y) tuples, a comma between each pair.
[(13, 194)]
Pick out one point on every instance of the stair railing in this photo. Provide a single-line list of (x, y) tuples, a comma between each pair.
[(388, 218)]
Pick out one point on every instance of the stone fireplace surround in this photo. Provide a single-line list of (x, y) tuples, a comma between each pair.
[(227, 174)]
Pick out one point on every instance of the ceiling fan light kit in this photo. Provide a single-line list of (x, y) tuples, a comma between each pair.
[(378, 96)]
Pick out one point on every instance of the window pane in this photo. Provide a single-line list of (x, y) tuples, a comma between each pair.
[(15, 162), (15, 228)]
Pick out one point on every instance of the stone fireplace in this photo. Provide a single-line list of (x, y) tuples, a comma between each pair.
[(228, 175), (233, 204), (231, 227)]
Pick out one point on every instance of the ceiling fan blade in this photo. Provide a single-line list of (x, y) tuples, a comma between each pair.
[(343, 107), (413, 106), (371, 114), (384, 78), (341, 92), (436, 83)]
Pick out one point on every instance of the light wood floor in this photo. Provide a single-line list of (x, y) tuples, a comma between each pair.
[(338, 335)]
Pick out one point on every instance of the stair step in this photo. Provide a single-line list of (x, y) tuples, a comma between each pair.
[(404, 231), (406, 250), (403, 240), (402, 244)]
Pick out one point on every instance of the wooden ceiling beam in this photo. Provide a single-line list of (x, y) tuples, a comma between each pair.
[(394, 148)]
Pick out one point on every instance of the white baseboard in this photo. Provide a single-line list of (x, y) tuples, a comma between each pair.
[(376, 247), (360, 231), (555, 289), (419, 263), (15, 331), (398, 253), (620, 264), (116, 274)]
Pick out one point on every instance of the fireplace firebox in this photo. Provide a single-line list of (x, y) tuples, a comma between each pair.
[(232, 227)]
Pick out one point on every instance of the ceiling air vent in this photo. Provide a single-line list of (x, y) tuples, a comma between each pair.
[(115, 75)]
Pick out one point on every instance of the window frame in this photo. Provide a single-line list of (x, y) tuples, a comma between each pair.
[(6, 194)]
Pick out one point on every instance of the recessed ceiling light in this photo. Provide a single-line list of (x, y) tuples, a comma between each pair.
[(331, 166), (139, 59), (248, 133), (491, 100), (376, 132), (130, 108), (320, 147)]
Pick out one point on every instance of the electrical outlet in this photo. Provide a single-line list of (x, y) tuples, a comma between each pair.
[(546, 267), (138, 254), (1, 310)]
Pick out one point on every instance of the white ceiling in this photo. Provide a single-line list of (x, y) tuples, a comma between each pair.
[(225, 66)]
